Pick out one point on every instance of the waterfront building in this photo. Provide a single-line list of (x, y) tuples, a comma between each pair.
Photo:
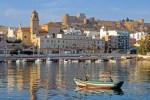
[(30, 35), (48, 39), (138, 36), (93, 34), (73, 41), (115, 39), (3, 44), (11, 32)]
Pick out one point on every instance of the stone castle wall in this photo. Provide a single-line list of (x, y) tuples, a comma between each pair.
[(79, 19)]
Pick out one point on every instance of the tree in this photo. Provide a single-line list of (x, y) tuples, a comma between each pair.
[(127, 19), (142, 49), (147, 40), (123, 20)]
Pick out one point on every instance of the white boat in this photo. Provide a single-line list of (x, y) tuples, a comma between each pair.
[(48, 60), (9, 61), (88, 61), (38, 61), (18, 61), (112, 61), (75, 61), (65, 61), (98, 61), (69, 61)]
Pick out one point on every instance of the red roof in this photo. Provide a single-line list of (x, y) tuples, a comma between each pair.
[(52, 24), (26, 29), (42, 31)]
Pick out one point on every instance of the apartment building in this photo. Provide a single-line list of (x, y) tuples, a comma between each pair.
[(115, 39)]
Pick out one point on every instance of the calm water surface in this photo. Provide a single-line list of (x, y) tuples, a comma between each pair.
[(30, 81)]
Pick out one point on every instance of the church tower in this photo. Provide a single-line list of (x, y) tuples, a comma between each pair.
[(34, 25)]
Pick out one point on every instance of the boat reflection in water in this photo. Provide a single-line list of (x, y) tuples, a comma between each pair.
[(99, 91)]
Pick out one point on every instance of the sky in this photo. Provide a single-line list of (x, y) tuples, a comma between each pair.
[(12, 12)]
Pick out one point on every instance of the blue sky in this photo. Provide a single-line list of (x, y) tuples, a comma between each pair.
[(13, 12)]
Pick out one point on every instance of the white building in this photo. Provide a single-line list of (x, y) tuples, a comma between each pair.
[(92, 34), (137, 35), (11, 33), (115, 39), (72, 40)]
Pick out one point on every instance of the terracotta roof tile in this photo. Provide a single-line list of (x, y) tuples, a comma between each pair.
[(42, 31), (52, 24), (26, 29)]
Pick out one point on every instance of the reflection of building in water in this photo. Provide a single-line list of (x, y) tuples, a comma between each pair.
[(61, 75), (34, 80), (58, 77), (19, 79), (10, 79), (142, 71)]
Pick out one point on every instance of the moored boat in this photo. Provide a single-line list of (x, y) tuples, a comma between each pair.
[(98, 61), (38, 60), (48, 60), (97, 84), (18, 61), (112, 61)]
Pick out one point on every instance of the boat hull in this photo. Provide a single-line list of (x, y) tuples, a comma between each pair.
[(98, 85)]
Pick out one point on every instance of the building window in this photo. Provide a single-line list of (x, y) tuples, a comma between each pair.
[(47, 41), (25, 36), (35, 16)]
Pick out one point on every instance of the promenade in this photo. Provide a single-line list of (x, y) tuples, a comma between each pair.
[(68, 56)]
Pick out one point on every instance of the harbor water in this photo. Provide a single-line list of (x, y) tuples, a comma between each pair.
[(54, 81)]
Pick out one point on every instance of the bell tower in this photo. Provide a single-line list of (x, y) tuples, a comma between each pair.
[(34, 25)]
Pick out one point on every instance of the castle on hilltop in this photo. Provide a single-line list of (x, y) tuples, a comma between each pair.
[(74, 20), (81, 21)]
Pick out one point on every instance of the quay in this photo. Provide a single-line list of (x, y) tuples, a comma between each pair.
[(81, 57)]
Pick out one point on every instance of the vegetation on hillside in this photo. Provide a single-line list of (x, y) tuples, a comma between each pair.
[(144, 45)]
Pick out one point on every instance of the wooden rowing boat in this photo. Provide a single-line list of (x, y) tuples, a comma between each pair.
[(97, 84)]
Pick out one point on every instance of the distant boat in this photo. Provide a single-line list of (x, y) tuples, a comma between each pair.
[(66, 61), (88, 61), (112, 61), (75, 61), (9, 61), (98, 61), (18, 61), (97, 84), (48, 60), (122, 58), (38, 61)]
